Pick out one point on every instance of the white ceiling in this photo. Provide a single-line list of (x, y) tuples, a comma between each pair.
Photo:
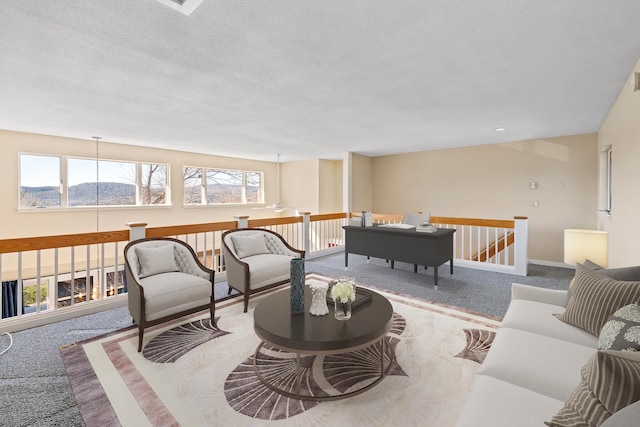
[(313, 79)]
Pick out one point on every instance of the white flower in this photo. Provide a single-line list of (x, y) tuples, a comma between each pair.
[(343, 292)]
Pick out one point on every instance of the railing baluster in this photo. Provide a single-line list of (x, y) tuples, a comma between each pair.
[(20, 287), (38, 262)]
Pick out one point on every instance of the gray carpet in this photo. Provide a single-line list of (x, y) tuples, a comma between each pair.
[(35, 390)]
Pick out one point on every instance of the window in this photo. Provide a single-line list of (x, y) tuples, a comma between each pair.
[(219, 186), (39, 181), (606, 174), (47, 181)]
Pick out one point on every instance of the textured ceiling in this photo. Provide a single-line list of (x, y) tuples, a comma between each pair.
[(313, 79)]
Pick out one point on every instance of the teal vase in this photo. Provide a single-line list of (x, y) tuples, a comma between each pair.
[(297, 286)]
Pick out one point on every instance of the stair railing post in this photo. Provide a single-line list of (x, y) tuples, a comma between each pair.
[(137, 230), (306, 232), (521, 245), (242, 221)]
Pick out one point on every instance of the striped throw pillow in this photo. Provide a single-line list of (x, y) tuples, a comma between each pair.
[(610, 382), (595, 298)]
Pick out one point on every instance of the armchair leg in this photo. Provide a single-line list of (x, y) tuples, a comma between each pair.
[(212, 313), (246, 301), (140, 336), (230, 289)]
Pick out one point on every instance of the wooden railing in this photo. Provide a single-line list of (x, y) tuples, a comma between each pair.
[(84, 273), (486, 244)]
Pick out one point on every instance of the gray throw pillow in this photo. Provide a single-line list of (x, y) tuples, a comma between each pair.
[(596, 297), (622, 330), (156, 260), (622, 273), (249, 245), (610, 382)]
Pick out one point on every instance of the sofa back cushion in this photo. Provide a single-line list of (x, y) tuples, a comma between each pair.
[(156, 260), (595, 298), (247, 245)]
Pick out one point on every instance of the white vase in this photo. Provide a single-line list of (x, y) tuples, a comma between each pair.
[(319, 299)]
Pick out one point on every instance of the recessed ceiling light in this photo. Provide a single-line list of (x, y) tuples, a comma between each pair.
[(500, 129)]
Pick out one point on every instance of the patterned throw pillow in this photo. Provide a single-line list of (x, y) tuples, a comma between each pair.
[(595, 298), (622, 330), (610, 382)]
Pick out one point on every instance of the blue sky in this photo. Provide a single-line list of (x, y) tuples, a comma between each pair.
[(37, 171)]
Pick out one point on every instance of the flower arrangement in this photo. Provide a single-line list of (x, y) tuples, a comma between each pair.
[(343, 291)]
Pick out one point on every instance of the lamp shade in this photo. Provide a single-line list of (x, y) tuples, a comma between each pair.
[(580, 245)]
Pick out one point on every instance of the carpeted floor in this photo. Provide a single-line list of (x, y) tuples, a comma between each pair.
[(36, 391), (192, 373)]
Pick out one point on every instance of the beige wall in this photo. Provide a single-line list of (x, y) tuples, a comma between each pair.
[(330, 177), (65, 221), (492, 181), (621, 130), (362, 183), (300, 185)]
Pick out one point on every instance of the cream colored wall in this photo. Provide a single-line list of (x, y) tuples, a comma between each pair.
[(621, 130), (492, 181), (300, 185), (361, 183), (66, 221), (330, 177)]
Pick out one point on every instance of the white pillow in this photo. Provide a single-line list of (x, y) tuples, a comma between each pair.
[(249, 245), (156, 260)]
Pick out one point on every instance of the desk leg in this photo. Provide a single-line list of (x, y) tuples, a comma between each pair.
[(451, 265), (392, 264), (346, 260), (435, 278)]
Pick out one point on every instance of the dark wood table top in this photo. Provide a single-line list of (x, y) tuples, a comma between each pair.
[(274, 323)]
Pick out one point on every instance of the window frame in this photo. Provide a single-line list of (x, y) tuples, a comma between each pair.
[(204, 195), (605, 199), (64, 184)]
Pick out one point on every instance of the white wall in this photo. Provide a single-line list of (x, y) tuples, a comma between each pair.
[(621, 130)]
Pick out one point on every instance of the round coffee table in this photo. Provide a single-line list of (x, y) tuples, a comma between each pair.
[(306, 334)]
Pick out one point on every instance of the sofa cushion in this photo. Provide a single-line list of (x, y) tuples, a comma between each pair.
[(596, 297), (542, 364), (493, 402), (173, 292), (538, 318), (267, 269), (610, 381), (622, 330), (156, 260), (249, 245), (621, 273)]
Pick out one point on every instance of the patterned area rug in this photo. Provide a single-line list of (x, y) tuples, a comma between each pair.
[(193, 374)]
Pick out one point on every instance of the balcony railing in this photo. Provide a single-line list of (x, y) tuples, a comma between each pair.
[(51, 278)]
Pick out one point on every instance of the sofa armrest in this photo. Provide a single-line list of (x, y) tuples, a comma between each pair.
[(533, 293)]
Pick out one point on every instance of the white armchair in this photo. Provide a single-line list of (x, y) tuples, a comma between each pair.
[(256, 259), (165, 281)]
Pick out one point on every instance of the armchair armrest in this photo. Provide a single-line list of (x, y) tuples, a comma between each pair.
[(532, 293)]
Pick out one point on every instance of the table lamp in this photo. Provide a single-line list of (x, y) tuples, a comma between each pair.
[(580, 245)]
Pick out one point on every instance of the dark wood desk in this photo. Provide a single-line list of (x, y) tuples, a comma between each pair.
[(396, 244)]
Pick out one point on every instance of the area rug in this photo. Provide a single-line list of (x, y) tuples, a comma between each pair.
[(191, 373)]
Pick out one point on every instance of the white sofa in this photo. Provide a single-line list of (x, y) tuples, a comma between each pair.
[(533, 366)]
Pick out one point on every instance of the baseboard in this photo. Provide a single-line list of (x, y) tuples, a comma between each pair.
[(551, 263)]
